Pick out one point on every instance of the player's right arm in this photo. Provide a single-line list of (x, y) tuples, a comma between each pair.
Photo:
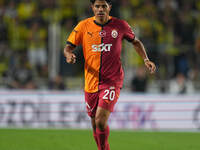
[(73, 40), (70, 56)]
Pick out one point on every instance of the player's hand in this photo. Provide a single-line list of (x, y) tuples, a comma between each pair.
[(151, 66), (70, 57)]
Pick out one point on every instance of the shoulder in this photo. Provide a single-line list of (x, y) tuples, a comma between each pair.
[(116, 20), (120, 22), (83, 24), (85, 21)]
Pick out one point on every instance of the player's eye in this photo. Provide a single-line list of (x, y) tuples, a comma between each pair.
[(104, 6), (97, 6)]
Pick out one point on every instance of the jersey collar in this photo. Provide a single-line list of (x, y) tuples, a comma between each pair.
[(110, 18)]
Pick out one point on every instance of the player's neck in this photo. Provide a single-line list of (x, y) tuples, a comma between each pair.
[(102, 20)]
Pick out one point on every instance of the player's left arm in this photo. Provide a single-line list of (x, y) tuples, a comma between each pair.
[(139, 47)]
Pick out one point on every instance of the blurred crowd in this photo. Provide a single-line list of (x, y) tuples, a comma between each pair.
[(169, 29)]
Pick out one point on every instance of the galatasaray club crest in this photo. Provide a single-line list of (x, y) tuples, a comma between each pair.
[(114, 34), (102, 33)]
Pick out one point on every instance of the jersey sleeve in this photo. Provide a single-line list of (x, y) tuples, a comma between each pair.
[(75, 38), (129, 35)]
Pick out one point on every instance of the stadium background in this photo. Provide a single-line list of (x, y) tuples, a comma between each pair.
[(33, 34), (39, 90)]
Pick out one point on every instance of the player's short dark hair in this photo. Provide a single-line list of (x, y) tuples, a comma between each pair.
[(108, 1)]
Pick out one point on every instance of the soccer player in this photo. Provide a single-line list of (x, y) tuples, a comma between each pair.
[(101, 37)]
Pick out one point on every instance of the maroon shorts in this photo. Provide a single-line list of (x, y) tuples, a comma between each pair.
[(105, 98)]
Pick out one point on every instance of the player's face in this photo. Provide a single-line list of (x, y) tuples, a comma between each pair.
[(101, 9)]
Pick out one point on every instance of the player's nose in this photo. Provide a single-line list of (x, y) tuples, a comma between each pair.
[(100, 9)]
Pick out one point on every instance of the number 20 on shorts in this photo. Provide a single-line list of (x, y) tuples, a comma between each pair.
[(109, 95)]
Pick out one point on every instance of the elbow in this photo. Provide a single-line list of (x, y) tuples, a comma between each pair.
[(136, 41)]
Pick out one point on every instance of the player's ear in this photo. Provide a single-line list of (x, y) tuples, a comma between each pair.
[(110, 6), (92, 6)]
